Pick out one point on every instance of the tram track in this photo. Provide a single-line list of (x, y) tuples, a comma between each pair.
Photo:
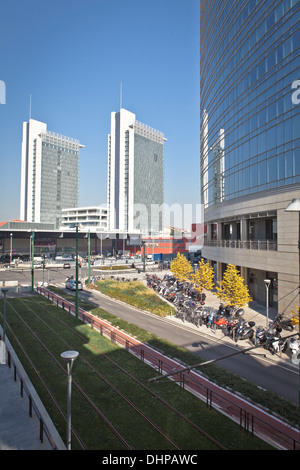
[(107, 382)]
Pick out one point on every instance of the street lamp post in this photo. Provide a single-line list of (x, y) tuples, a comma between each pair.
[(4, 291), (32, 261), (76, 275), (69, 357), (2, 345), (89, 257), (44, 261), (11, 237), (144, 255), (267, 284)]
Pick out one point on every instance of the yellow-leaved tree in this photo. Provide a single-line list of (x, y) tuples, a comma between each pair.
[(232, 290), (295, 316), (181, 268), (204, 277)]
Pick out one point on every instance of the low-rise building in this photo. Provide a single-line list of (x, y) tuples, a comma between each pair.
[(91, 217)]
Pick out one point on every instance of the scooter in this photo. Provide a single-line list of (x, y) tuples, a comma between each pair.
[(276, 344), (243, 330), (294, 346), (260, 335), (285, 323), (270, 338)]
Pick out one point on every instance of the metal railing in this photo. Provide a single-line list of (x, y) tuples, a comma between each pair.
[(267, 245), (44, 432)]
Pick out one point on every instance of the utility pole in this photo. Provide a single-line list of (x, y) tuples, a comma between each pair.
[(76, 291)]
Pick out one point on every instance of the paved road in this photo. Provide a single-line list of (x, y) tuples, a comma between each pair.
[(271, 373)]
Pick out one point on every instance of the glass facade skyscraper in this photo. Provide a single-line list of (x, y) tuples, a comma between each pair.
[(49, 174), (250, 138), (249, 60), (135, 179)]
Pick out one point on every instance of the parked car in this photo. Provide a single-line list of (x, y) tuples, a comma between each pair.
[(37, 265), (67, 265), (71, 284)]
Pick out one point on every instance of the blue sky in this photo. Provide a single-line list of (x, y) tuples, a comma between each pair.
[(71, 57)]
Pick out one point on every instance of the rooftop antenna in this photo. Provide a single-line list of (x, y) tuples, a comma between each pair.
[(30, 107), (121, 96)]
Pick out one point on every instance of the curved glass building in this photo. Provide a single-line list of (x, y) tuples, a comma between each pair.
[(250, 141)]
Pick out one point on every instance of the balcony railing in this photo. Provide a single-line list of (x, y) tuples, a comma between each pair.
[(266, 245)]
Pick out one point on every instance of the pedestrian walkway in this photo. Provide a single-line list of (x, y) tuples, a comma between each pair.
[(255, 312), (17, 430)]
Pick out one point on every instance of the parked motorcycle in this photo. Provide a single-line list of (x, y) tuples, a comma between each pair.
[(226, 324), (179, 299), (210, 319), (285, 323), (276, 344), (230, 311), (260, 335), (205, 312), (243, 330), (270, 338)]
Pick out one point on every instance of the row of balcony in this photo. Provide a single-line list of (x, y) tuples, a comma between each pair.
[(267, 245)]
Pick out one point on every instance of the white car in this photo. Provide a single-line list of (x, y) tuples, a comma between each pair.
[(71, 284)]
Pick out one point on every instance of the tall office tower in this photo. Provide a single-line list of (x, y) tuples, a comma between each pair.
[(135, 181), (49, 173), (250, 142)]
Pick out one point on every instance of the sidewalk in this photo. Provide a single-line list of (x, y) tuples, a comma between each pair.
[(255, 313), (17, 430)]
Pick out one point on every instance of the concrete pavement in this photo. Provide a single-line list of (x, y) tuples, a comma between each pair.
[(19, 431)]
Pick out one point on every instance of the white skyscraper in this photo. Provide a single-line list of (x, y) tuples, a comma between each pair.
[(49, 173), (135, 180)]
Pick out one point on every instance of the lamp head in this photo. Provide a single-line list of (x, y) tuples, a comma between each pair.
[(69, 355), (293, 206)]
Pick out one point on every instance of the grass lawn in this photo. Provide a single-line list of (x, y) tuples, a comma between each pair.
[(135, 293), (88, 373), (112, 268)]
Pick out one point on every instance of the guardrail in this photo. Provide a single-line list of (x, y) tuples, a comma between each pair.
[(267, 245)]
